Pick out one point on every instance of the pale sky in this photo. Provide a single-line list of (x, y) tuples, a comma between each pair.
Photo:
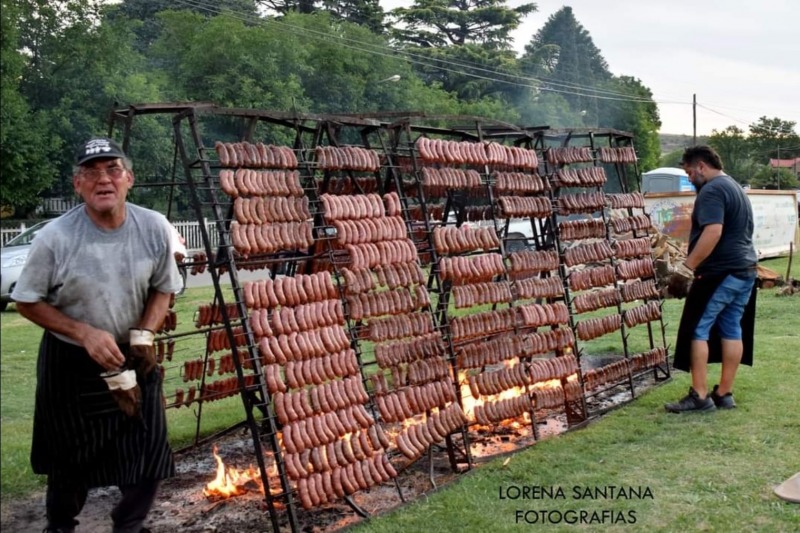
[(740, 57)]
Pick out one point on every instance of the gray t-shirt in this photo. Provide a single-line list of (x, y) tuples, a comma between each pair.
[(101, 277), (723, 201)]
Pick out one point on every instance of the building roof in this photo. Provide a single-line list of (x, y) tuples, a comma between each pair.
[(785, 163)]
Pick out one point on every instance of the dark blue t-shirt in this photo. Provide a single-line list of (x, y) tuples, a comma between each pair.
[(723, 201)]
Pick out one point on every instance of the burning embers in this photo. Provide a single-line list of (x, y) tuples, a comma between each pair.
[(493, 397), (231, 481)]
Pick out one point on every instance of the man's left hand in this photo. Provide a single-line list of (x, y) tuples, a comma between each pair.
[(678, 286)]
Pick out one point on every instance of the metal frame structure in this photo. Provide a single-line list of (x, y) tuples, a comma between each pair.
[(394, 136)]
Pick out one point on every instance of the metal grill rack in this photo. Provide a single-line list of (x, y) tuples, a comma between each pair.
[(580, 173), (336, 388)]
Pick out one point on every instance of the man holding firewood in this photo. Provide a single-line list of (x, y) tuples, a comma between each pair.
[(718, 319), (99, 280)]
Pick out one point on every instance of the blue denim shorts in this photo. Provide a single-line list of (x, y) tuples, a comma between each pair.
[(725, 309)]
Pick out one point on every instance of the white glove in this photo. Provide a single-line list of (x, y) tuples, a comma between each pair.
[(125, 390), (142, 349)]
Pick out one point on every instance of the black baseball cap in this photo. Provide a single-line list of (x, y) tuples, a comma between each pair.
[(99, 147)]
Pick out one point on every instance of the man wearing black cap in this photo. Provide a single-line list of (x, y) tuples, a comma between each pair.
[(98, 280)]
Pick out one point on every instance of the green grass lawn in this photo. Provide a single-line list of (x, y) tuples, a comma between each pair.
[(711, 472)]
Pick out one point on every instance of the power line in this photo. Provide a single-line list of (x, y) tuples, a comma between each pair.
[(602, 94), (724, 115)]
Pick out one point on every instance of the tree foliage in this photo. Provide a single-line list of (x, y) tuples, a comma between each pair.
[(564, 59), (443, 23), (735, 151), (367, 13), (26, 143), (284, 7), (67, 63), (149, 26), (563, 55), (774, 178), (772, 137)]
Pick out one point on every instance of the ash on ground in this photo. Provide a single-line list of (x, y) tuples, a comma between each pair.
[(181, 505)]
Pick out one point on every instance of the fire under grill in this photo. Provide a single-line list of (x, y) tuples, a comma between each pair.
[(400, 327)]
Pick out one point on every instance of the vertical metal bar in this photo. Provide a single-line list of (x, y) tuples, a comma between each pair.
[(246, 399), (442, 324)]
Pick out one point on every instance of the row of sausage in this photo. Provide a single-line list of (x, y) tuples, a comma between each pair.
[(475, 153), (248, 182), (490, 352)]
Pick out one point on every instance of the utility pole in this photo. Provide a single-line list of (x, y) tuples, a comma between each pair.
[(694, 119)]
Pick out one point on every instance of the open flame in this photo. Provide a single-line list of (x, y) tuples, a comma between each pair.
[(469, 402), (231, 481)]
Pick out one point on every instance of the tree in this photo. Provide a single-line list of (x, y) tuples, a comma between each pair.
[(565, 61), (632, 109), (463, 45), (773, 137), (337, 78), (774, 178), (148, 29), (284, 7), (471, 71), (81, 66), (671, 159), (367, 13), (563, 56), (26, 143), (538, 108), (443, 23), (735, 151)]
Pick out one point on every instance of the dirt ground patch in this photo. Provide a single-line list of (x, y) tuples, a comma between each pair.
[(181, 506)]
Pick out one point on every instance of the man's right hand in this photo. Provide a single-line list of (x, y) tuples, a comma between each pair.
[(102, 347)]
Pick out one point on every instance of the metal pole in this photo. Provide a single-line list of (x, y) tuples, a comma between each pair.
[(694, 119)]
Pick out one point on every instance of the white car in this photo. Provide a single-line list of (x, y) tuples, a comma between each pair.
[(14, 255)]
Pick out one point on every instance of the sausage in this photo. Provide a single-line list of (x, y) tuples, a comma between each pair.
[(336, 482), (280, 409), (358, 474), (341, 460), (366, 471), (315, 490), (347, 451), (404, 447), (302, 491), (335, 424), (348, 479)]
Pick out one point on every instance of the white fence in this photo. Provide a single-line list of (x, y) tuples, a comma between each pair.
[(190, 230)]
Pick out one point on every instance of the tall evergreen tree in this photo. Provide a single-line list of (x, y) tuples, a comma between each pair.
[(367, 13), (284, 7), (443, 23), (563, 55), (464, 45)]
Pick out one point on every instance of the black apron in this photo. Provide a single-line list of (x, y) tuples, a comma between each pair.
[(80, 436), (699, 294)]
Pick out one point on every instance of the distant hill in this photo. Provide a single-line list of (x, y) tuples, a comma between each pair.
[(671, 142)]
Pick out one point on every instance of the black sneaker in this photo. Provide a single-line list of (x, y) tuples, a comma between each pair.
[(722, 402), (691, 402)]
